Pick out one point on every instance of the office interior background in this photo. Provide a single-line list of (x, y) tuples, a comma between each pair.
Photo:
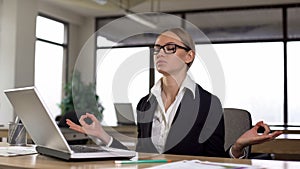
[(257, 43)]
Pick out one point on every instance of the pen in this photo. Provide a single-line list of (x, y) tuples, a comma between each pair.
[(141, 161)]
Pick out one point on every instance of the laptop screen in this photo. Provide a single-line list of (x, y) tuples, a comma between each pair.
[(36, 117), (124, 113)]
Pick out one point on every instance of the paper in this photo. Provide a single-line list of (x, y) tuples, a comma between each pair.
[(17, 150), (196, 164)]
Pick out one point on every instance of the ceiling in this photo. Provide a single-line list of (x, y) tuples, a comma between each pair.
[(96, 8)]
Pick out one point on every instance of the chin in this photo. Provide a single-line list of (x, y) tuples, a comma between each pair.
[(163, 72), (160, 70)]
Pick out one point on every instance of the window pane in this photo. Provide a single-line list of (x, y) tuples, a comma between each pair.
[(122, 76), (293, 83), (48, 74), (50, 30), (253, 77), (250, 25), (293, 23)]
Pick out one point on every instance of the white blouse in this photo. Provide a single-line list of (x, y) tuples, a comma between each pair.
[(163, 119)]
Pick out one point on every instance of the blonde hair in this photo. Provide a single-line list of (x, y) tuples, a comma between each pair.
[(185, 38)]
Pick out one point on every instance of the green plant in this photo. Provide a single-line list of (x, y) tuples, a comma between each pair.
[(80, 98)]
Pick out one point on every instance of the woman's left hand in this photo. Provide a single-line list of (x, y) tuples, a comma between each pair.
[(252, 137)]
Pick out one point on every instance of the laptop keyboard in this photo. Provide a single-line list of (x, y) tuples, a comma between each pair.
[(86, 149)]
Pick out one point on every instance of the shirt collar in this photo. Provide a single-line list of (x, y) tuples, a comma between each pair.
[(187, 83), (190, 84)]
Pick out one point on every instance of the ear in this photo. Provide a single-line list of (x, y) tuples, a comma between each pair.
[(189, 56)]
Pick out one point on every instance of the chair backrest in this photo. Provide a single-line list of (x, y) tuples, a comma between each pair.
[(237, 121)]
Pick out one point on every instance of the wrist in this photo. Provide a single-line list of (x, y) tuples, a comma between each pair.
[(105, 138), (237, 150), (240, 156)]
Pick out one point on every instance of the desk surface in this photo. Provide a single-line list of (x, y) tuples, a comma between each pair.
[(285, 147), (40, 161)]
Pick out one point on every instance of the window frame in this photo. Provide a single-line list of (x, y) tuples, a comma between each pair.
[(285, 39), (64, 45)]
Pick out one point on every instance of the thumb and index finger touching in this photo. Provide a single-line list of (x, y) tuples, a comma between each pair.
[(82, 121), (267, 130)]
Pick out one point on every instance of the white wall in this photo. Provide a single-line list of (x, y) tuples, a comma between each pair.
[(16, 50), (86, 42), (17, 43)]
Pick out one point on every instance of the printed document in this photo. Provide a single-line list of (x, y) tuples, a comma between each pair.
[(197, 164)]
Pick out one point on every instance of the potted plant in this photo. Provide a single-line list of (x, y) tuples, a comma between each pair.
[(80, 98)]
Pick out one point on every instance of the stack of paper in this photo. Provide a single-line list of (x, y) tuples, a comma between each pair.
[(196, 164), (17, 150)]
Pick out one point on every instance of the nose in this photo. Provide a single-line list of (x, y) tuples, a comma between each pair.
[(158, 53)]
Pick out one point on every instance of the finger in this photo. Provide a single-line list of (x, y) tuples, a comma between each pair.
[(82, 121), (258, 124), (271, 136), (276, 134), (266, 127), (70, 123), (74, 126), (92, 117)]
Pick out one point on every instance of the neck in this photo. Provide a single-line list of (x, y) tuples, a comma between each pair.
[(170, 87), (172, 83)]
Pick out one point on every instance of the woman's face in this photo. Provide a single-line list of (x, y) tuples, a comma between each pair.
[(171, 59)]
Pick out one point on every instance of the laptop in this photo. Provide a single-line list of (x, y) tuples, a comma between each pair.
[(45, 133), (124, 113)]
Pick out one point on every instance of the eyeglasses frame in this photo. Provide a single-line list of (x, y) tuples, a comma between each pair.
[(163, 47)]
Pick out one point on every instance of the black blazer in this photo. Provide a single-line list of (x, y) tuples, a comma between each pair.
[(197, 128)]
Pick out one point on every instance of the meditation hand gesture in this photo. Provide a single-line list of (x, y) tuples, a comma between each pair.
[(252, 137), (94, 129)]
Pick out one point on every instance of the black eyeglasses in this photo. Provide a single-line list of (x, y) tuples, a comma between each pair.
[(169, 48)]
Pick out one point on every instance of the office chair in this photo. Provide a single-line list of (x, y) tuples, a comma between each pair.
[(237, 121)]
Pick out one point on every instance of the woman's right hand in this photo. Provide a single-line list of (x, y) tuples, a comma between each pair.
[(94, 129)]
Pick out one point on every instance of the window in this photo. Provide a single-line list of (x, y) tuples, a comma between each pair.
[(254, 79), (293, 82), (293, 70), (252, 52), (122, 76), (49, 60)]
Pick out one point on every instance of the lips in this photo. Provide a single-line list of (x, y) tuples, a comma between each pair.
[(160, 61)]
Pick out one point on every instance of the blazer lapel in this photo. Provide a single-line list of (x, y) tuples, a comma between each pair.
[(184, 119), (145, 120)]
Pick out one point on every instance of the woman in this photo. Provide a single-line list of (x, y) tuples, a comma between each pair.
[(178, 116)]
